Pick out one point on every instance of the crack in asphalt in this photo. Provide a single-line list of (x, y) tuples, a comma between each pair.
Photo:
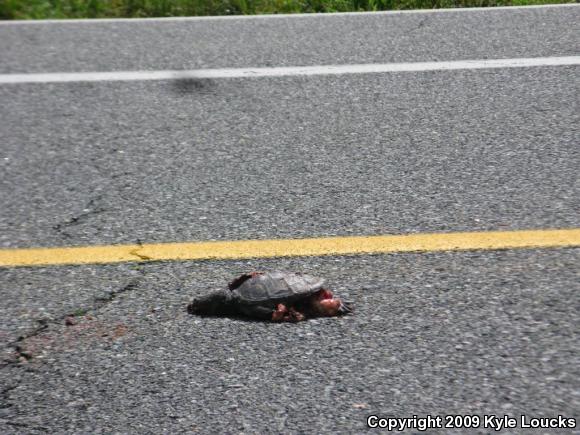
[(99, 302), (5, 396), (25, 425), (21, 355), (140, 256), (419, 25), (135, 252), (89, 210), (20, 352)]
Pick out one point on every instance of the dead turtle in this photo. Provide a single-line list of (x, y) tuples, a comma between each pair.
[(276, 296)]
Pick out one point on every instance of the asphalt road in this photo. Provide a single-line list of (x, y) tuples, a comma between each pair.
[(295, 41), (492, 332)]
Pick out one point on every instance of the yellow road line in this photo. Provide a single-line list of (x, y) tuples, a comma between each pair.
[(241, 249)]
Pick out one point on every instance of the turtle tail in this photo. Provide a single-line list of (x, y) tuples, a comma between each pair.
[(214, 304)]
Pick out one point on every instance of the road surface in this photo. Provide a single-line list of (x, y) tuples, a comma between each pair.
[(485, 332)]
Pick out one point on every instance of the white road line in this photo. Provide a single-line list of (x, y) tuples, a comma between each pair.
[(266, 16), (287, 71)]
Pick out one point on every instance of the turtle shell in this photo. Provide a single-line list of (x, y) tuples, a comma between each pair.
[(274, 287)]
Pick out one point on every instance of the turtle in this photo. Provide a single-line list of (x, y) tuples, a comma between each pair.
[(276, 296)]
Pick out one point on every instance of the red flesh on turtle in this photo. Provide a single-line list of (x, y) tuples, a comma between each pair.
[(322, 303)]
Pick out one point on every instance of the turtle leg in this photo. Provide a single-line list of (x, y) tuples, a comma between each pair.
[(285, 314), (295, 316), (280, 313)]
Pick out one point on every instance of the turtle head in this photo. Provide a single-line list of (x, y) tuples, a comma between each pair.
[(325, 304)]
